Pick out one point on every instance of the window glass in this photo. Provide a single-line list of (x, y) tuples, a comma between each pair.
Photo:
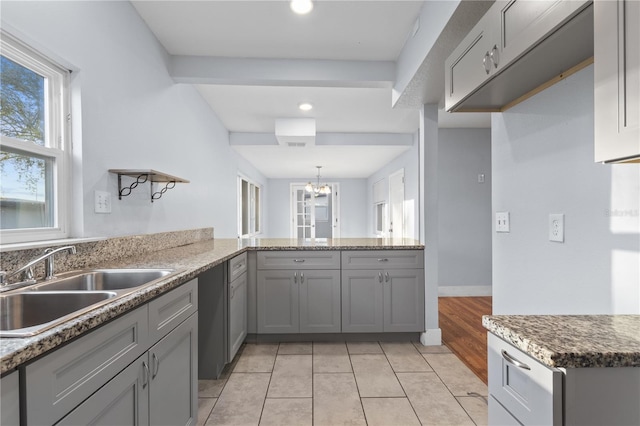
[(249, 219)]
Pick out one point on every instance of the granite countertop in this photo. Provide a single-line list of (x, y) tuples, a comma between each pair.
[(188, 261), (572, 341)]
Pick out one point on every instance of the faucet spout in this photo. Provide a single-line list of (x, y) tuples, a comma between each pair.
[(48, 260), (27, 269)]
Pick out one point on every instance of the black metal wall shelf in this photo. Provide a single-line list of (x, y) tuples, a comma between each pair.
[(146, 175)]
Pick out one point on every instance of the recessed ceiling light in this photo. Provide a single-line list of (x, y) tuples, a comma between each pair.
[(301, 7), (305, 106)]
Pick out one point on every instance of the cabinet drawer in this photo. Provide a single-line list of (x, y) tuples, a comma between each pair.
[(383, 259), (298, 259), (499, 416), (237, 266), (58, 382), (169, 310), (529, 390)]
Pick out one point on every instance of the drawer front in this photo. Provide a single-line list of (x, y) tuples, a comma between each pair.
[(58, 382), (383, 259), (169, 310), (499, 416), (237, 266), (298, 259), (528, 390)]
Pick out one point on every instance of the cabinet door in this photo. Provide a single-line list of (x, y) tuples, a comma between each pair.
[(122, 401), (319, 301), (237, 314), (10, 401), (617, 80), (173, 388), (362, 301), (470, 63), (404, 300), (278, 305)]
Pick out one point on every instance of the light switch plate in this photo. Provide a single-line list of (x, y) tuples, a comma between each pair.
[(502, 222), (102, 202), (556, 227)]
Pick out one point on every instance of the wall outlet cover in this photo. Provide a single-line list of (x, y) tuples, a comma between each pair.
[(502, 222), (102, 202), (556, 227)]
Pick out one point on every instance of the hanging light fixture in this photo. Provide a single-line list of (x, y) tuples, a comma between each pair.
[(318, 189)]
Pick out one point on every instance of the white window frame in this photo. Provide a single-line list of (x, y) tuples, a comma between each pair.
[(256, 210), (57, 139)]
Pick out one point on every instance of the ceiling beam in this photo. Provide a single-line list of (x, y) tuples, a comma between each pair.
[(281, 72)]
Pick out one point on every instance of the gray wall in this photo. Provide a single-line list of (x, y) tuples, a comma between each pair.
[(353, 199), (542, 160), (464, 212)]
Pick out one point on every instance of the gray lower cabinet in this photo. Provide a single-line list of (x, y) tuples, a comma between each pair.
[(298, 301), (237, 314), (101, 377), (10, 400), (382, 300)]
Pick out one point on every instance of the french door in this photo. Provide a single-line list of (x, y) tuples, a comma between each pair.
[(314, 215)]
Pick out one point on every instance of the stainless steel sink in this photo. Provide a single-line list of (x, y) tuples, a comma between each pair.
[(28, 313), (41, 306), (103, 280)]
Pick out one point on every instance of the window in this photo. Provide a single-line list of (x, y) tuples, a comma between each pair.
[(249, 195), (33, 145), (380, 212)]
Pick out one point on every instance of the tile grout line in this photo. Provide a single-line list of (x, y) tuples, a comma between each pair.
[(264, 401), (400, 382), (353, 371)]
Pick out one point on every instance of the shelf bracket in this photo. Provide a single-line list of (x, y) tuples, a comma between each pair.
[(143, 176)]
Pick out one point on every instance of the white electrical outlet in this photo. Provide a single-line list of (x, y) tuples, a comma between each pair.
[(102, 202), (502, 222), (481, 178), (556, 227)]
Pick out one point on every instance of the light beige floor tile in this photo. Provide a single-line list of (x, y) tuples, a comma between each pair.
[(442, 349), (282, 411), (404, 357), (292, 377), (389, 411), (241, 401), (455, 375), (210, 388), (432, 401), (304, 348), (331, 358), (476, 408), (360, 348), (375, 377), (336, 400), (257, 358), (205, 405)]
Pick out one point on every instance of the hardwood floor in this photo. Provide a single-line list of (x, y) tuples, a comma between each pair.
[(462, 332)]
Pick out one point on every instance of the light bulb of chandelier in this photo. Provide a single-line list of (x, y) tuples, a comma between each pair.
[(308, 187)]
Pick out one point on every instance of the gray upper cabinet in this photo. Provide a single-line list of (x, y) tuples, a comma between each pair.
[(617, 80), (517, 47), (10, 400)]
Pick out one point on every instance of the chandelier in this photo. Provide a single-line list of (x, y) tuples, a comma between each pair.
[(318, 189)]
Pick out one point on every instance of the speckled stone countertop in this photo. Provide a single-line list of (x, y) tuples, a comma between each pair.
[(572, 341), (188, 261)]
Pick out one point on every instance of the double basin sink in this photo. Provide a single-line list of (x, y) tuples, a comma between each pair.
[(41, 306)]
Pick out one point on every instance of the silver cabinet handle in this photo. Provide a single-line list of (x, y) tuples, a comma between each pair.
[(495, 56), (383, 260), (386, 277), (512, 360), (156, 365), (486, 61), (301, 277), (239, 265), (145, 374), (299, 260), (380, 276), (295, 278)]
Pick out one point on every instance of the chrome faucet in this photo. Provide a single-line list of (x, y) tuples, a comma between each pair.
[(27, 270)]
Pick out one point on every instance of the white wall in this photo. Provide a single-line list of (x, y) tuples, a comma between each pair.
[(464, 212), (543, 163), (353, 199), (132, 115), (409, 162)]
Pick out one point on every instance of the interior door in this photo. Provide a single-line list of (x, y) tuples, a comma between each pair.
[(396, 204), (314, 216)]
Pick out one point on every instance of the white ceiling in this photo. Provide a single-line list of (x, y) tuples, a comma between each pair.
[(345, 30)]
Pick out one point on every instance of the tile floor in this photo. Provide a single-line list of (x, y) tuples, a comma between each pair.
[(364, 383)]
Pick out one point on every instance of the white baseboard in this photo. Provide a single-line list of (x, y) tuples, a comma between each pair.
[(464, 290), (431, 337)]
